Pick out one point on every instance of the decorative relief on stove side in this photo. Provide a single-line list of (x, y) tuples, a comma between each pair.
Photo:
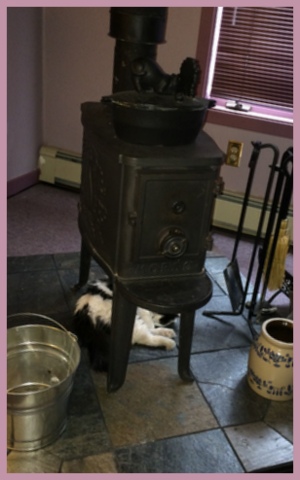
[(162, 268), (95, 191)]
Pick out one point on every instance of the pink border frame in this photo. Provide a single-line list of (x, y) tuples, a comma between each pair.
[(107, 3)]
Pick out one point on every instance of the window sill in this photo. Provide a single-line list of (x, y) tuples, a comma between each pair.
[(243, 121)]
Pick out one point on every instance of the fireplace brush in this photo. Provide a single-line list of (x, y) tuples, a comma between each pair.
[(277, 272), (275, 247)]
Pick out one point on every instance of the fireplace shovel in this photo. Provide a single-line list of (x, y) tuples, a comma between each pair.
[(234, 284), (237, 293), (232, 272)]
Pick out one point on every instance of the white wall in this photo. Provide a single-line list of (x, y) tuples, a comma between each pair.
[(181, 38), (236, 178), (24, 89), (78, 65)]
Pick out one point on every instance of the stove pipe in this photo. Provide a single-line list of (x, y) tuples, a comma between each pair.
[(137, 31)]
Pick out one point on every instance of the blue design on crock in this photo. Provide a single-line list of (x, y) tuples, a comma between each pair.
[(268, 387), (269, 356)]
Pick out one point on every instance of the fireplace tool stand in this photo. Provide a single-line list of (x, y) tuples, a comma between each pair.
[(280, 203)]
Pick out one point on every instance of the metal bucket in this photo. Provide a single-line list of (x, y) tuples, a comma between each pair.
[(41, 365)]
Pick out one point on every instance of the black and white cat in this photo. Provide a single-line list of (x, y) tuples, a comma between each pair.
[(92, 325)]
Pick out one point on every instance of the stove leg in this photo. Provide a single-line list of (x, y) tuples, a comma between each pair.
[(123, 317), (185, 345), (84, 267)]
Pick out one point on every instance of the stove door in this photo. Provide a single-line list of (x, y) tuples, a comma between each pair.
[(166, 220)]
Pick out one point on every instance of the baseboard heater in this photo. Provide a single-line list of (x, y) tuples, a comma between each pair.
[(227, 213), (60, 167), (63, 168)]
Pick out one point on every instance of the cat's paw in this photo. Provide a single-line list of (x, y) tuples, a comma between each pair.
[(170, 344), (169, 332), (164, 332)]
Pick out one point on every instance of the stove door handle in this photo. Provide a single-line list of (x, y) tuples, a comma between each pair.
[(173, 244)]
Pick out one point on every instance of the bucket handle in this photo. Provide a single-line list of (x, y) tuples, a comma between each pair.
[(44, 317)]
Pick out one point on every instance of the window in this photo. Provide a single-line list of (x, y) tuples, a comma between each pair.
[(246, 58)]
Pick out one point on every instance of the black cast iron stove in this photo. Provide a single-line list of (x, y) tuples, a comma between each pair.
[(147, 197)]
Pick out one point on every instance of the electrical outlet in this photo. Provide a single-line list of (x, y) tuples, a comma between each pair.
[(234, 153)]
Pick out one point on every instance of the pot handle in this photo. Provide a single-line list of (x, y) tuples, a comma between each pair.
[(38, 316), (106, 99), (211, 103)]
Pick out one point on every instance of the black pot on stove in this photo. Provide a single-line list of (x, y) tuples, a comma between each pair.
[(155, 119)]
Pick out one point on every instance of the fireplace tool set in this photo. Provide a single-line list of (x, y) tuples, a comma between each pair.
[(271, 250), (150, 176)]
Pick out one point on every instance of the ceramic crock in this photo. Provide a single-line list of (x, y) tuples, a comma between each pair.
[(270, 364)]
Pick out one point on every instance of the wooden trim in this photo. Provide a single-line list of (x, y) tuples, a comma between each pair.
[(205, 39), (228, 119), (16, 185)]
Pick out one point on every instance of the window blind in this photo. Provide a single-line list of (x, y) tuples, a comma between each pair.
[(254, 61)]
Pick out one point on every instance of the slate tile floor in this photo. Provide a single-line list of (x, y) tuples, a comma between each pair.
[(156, 423)]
